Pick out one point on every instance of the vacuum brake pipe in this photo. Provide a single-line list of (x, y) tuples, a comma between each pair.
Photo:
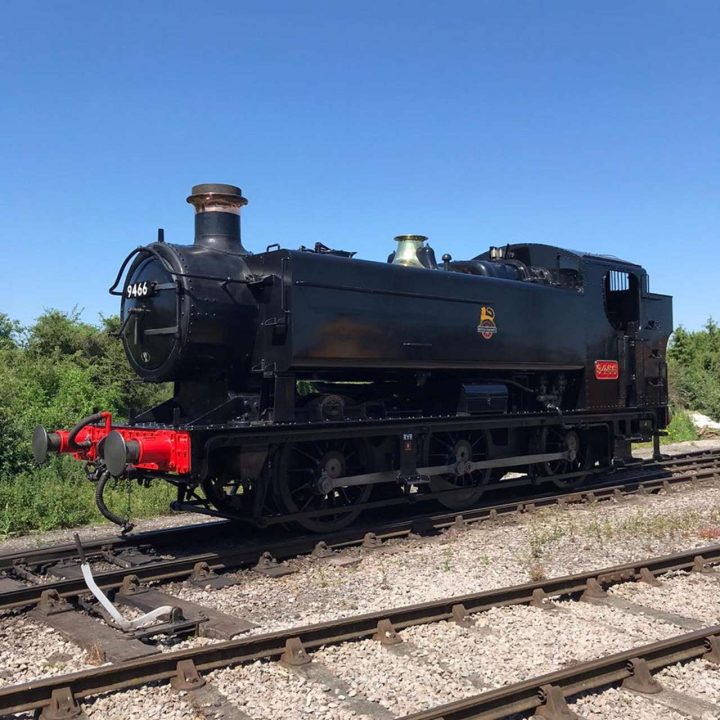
[(124, 523)]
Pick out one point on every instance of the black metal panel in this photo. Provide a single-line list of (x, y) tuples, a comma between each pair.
[(371, 315), (481, 398), (242, 319), (197, 318)]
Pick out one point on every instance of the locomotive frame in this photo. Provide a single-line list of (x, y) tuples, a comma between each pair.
[(305, 381)]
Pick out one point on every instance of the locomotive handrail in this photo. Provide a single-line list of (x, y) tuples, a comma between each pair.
[(118, 277), (174, 273)]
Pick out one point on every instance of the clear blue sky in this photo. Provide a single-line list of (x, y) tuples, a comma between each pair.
[(588, 125)]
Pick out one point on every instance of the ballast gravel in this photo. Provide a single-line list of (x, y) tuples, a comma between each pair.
[(492, 554), (615, 704), (698, 678), (268, 691), (696, 595), (158, 702), (679, 448), (31, 650), (40, 539), (504, 646)]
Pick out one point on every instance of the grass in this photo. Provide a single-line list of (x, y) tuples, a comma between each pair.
[(542, 536), (58, 495), (680, 429), (639, 527)]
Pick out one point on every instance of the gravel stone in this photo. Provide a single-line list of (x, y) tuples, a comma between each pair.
[(31, 650), (599, 618), (698, 678), (616, 704), (679, 448), (511, 550), (158, 702), (505, 645), (269, 691), (693, 595), (39, 539), (402, 683)]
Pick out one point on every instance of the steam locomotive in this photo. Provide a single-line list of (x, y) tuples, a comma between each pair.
[(310, 385)]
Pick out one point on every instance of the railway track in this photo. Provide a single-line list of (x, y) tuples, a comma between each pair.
[(642, 471), (24, 580), (57, 697)]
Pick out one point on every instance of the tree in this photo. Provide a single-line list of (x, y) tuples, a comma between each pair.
[(58, 371), (10, 331), (694, 366)]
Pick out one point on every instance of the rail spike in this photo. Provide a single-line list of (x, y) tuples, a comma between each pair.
[(713, 650), (541, 600), (593, 591), (386, 634), (371, 541), (460, 616)]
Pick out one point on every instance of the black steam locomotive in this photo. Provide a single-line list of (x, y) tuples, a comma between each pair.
[(310, 385)]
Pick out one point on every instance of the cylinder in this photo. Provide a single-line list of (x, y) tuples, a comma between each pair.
[(217, 216)]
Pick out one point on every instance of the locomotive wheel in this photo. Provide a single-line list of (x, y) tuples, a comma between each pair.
[(555, 439), (449, 448), (299, 470), (229, 496)]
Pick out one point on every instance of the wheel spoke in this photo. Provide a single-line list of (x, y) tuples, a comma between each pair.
[(301, 466), (300, 488), (302, 452), (343, 492), (448, 448)]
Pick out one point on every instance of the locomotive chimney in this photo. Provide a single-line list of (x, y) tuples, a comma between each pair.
[(217, 216), (407, 250)]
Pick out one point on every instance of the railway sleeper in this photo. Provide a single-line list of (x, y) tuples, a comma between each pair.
[(596, 673), (212, 623), (96, 638), (690, 706)]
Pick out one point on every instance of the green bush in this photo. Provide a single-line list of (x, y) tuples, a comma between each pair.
[(680, 429), (694, 368), (54, 373), (58, 495)]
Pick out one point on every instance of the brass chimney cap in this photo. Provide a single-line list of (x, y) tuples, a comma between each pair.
[(216, 194), (411, 238)]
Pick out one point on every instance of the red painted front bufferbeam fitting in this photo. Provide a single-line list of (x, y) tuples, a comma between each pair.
[(160, 450)]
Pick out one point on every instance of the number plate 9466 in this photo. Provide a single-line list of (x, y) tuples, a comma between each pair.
[(140, 289)]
